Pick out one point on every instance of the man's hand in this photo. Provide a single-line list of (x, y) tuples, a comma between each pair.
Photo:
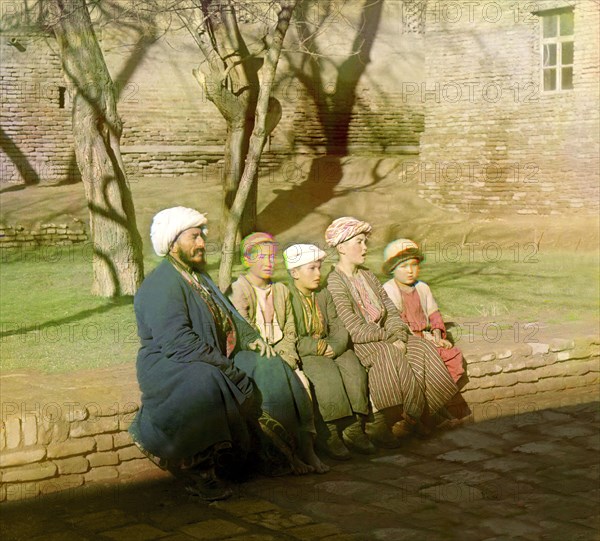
[(262, 348), (401, 346), (329, 352)]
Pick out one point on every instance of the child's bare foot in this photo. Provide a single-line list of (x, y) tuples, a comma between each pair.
[(299, 467)]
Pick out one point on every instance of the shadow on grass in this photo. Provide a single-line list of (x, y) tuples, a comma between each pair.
[(549, 468), (83, 314)]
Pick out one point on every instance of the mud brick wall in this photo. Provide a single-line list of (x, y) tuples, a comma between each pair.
[(46, 235), (171, 161), (494, 141), (162, 105), (36, 142)]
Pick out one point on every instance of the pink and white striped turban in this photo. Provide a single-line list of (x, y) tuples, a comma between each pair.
[(344, 229)]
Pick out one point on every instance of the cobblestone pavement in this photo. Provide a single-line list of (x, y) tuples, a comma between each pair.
[(520, 470)]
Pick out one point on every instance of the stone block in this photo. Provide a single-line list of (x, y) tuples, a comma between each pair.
[(505, 354), (590, 379), (551, 384), (76, 412), (110, 458), (516, 364), (29, 426), (72, 447), (103, 473), (130, 453), (76, 464), (478, 396), (133, 468), (582, 351), (561, 344), (504, 392), (488, 357), (478, 370), (93, 426), (104, 442), (527, 376), (52, 431), (31, 472), (22, 491), (12, 427), (563, 355), (538, 348), (60, 484), (488, 382), (505, 380), (522, 389), (121, 439), (537, 361), (19, 457), (553, 371)]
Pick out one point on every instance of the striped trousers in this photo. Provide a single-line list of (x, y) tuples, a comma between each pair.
[(418, 380)]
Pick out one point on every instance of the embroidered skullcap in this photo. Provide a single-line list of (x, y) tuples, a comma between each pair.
[(250, 242), (344, 229), (169, 223), (398, 252), (301, 254)]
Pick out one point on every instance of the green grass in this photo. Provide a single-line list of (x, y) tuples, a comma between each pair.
[(51, 323)]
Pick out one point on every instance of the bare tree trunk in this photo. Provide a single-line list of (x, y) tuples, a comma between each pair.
[(261, 130), (117, 246)]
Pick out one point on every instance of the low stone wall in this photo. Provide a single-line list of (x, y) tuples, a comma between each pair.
[(56, 447), (532, 369), (14, 236), (41, 453)]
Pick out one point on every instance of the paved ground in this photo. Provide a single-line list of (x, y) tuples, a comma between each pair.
[(522, 470)]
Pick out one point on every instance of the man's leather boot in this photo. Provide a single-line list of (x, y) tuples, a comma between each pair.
[(379, 432)]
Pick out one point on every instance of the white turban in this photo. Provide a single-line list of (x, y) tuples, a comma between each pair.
[(301, 254), (168, 223)]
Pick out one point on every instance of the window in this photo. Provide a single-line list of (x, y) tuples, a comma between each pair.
[(557, 50)]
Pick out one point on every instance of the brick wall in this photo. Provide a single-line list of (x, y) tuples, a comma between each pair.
[(35, 132), (494, 141), (162, 105)]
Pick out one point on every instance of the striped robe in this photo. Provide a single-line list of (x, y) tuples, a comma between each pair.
[(418, 380)]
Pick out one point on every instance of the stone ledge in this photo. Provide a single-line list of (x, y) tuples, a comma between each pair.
[(44, 450)]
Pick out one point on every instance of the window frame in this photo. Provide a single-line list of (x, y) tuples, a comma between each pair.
[(557, 40)]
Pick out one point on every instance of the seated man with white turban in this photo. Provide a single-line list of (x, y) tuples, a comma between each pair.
[(201, 401), (338, 378)]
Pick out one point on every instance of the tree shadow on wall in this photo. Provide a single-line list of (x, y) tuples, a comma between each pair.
[(139, 51), (321, 185), (333, 111), (20, 161)]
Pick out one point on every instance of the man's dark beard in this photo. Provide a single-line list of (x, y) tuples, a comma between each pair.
[(192, 264)]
